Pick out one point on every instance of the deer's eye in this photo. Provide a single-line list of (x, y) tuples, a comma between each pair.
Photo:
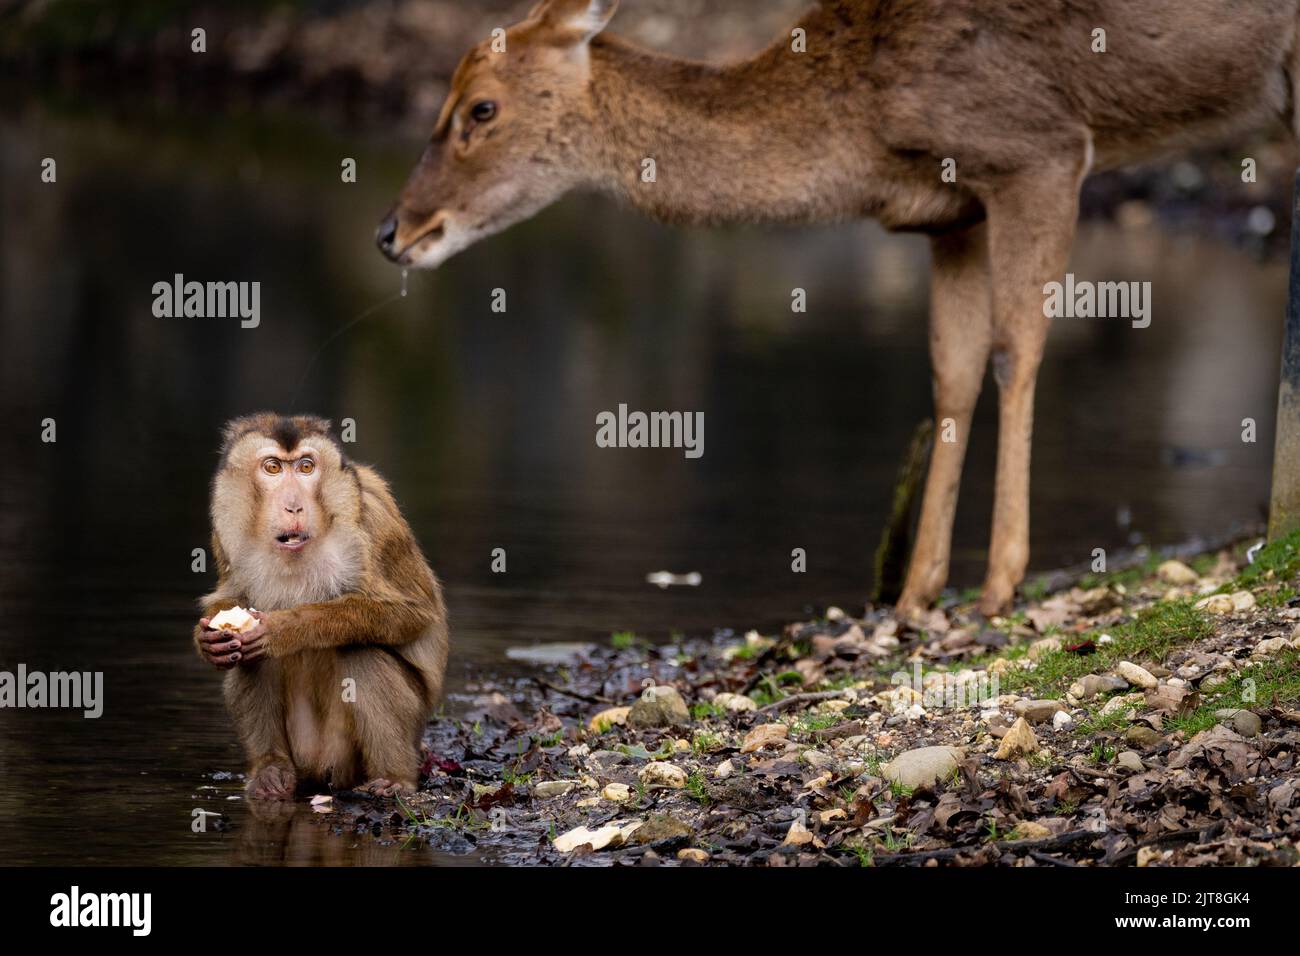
[(482, 111)]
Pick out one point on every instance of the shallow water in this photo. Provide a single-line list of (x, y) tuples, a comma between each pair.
[(484, 423)]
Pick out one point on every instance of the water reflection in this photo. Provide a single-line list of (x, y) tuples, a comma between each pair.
[(484, 424)]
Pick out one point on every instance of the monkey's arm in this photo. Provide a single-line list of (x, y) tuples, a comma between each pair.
[(355, 618)]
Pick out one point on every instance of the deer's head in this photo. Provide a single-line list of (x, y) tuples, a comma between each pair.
[(510, 139)]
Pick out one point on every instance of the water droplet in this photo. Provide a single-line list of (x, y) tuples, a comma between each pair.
[(403, 283)]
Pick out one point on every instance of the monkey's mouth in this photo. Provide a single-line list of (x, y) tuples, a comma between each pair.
[(292, 540)]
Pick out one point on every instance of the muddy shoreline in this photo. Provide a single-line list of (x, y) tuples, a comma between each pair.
[(813, 747)]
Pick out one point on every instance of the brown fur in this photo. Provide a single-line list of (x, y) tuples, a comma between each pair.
[(359, 601), (859, 125)]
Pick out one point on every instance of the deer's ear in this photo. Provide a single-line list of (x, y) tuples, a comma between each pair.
[(575, 20)]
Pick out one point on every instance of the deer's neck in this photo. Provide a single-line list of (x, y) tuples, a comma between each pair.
[(776, 138)]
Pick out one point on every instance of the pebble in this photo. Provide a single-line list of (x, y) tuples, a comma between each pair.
[(553, 788), (1061, 720), (609, 717), (1091, 685), (1137, 676), (1269, 647), (1177, 574), (724, 770), (1019, 741), (662, 827), (1038, 711), (1043, 646), (1227, 603), (692, 855), (1130, 760), (736, 703), (617, 792), (817, 760), (923, 766), (609, 836), (659, 706), (1140, 735), (764, 735), (1029, 830), (660, 774), (1246, 723)]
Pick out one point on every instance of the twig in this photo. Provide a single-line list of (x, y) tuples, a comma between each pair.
[(1104, 774), (1179, 836), (589, 698), (1042, 857), (795, 699), (948, 853)]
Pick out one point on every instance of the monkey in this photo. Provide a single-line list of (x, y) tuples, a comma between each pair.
[(335, 682)]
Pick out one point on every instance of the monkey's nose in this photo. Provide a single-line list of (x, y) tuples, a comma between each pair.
[(294, 511), (386, 233)]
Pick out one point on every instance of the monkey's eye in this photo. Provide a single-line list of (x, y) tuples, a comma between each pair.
[(482, 111), (272, 466), (306, 466)]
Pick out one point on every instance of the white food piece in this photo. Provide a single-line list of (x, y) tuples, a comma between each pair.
[(233, 619)]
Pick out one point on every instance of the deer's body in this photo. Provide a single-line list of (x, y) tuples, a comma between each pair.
[(860, 125), (857, 125)]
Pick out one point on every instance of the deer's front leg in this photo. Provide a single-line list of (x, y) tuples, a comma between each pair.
[(960, 335), (1031, 223)]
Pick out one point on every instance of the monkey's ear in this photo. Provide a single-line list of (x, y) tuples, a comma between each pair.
[(575, 21)]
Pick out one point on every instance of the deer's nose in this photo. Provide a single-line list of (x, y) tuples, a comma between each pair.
[(386, 233)]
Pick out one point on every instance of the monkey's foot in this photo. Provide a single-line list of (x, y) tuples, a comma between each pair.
[(273, 782), (381, 787)]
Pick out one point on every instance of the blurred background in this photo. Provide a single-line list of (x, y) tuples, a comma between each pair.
[(225, 166)]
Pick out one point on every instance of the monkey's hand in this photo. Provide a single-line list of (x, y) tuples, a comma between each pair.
[(224, 649)]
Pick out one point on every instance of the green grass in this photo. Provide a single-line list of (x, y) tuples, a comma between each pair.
[(1282, 557), (1276, 598), (894, 842), (695, 788), (707, 709), (1275, 679), (703, 742), (1150, 636), (809, 723), (1102, 753), (461, 819), (1096, 723), (1125, 577), (623, 640), (1036, 590)]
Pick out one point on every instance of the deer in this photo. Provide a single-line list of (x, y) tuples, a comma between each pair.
[(974, 122)]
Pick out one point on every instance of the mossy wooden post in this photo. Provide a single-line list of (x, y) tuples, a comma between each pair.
[(896, 539), (1284, 506)]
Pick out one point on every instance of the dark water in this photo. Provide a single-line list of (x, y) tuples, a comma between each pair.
[(484, 423)]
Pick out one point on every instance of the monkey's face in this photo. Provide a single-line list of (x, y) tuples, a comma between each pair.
[(286, 511), (288, 485)]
